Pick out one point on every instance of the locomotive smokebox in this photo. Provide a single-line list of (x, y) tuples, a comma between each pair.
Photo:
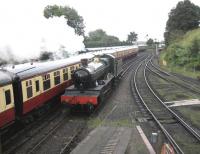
[(84, 62)]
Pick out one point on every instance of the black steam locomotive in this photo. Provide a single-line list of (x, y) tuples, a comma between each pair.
[(93, 81)]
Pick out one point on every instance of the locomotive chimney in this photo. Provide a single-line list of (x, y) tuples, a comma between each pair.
[(84, 62)]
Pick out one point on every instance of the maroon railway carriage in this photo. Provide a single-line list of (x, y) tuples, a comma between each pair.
[(26, 87)]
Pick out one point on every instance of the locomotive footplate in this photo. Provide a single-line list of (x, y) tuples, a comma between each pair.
[(74, 96)]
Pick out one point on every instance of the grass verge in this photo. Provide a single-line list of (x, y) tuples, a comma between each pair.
[(177, 69)]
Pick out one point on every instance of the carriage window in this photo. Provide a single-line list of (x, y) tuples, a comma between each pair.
[(29, 89), (46, 81), (72, 69), (37, 85), (8, 97), (56, 77), (65, 74)]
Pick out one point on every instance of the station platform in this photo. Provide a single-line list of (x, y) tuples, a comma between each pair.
[(113, 140)]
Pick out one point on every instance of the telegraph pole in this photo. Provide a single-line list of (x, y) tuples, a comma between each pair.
[(156, 44), (156, 49)]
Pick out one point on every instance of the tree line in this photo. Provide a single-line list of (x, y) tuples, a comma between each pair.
[(99, 38)]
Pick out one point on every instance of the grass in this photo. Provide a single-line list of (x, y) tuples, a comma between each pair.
[(191, 148), (176, 69), (192, 113), (170, 92), (178, 96)]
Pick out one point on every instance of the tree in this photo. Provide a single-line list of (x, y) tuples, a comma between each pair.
[(73, 19), (99, 38), (150, 42), (184, 17), (132, 37), (97, 35), (173, 36)]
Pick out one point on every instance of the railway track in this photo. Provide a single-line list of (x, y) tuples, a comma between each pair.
[(169, 91), (67, 148), (178, 80), (35, 139), (128, 66), (178, 133), (41, 122), (21, 132), (110, 114), (181, 77), (27, 133)]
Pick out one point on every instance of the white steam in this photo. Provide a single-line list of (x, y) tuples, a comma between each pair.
[(25, 32)]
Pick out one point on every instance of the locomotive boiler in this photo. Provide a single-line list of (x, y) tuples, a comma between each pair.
[(91, 73)]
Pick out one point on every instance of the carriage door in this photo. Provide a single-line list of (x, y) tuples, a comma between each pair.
[(6, 105)]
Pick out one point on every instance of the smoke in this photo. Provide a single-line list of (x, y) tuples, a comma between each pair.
[(6, 53), (25, 32)]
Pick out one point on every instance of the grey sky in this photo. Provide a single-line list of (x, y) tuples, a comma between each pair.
[(24, 30)]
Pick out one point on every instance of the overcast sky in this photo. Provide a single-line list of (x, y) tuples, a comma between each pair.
[(24, 31)]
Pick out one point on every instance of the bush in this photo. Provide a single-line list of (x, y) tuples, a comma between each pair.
[(186, 51)]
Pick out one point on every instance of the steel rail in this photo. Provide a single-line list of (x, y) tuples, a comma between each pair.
[(67, 144), (183, 85), (189, 128), (131, 64), (186, 84), (55, 128), (166, 133), (66, 148)]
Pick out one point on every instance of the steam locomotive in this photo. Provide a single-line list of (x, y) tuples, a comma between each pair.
[(93, 81)]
